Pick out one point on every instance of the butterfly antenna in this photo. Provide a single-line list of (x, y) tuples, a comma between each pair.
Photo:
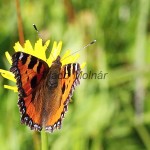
[(94, 41), (39, 34)]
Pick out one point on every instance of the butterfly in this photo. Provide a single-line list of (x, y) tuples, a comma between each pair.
[(43, 92)]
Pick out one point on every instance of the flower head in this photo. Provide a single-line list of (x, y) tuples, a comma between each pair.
[(38, 51)]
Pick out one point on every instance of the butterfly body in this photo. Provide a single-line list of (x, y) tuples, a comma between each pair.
[(44, 92)]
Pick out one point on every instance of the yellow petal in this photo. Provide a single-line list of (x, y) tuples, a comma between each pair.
[(70, 59), (14, 88), (83, 65), (8, 57), (8, 75), (28, 47), (18, 47), (67, 53), (46, 44), (39, 49)]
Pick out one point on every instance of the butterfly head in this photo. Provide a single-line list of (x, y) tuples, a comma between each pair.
[(57, 61), (53, 73)]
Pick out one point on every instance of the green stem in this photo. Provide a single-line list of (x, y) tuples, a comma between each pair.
[(144, 135), (44, 143), (140, 51)]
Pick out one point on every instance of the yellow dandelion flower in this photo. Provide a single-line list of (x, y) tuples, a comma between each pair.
[(38, 51)]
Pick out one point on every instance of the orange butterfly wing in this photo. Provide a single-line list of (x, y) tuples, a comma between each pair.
[(69, 78), (28, 71)]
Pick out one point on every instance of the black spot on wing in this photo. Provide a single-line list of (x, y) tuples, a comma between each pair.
[(39, 67), (24, 58), (16, 56), (20, 56), (74, 68), (33, 82), (64, 72), (69, 69), (32, 62), (63, 88)]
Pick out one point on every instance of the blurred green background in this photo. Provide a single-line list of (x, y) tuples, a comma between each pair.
[(105, 114)]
